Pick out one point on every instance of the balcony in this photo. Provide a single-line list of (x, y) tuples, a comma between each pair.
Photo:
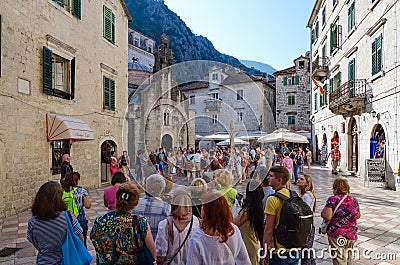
[(213, 104), (320, 68), (349, 99)]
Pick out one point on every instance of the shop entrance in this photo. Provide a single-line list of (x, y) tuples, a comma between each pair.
[(107, 148)]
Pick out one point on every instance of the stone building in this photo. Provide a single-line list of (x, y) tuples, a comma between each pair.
[(140, 59), (355, 48), (63, 89), (158, 111), (293, 96), (229, 94)]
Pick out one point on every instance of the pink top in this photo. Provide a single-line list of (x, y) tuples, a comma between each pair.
[(288, 163), (110, 197)]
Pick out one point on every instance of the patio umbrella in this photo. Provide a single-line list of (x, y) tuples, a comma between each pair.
[(235, 140), (216, 136), (283, 135)]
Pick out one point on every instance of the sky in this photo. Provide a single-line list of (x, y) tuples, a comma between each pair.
[(267, 31)]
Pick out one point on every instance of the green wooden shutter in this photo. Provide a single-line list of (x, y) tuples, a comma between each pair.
[(285, 80), (315, 101), (72, 94), (47, 71), (339, 79), (325, 94), (312, 35), (108, 24), (297, 80), (317, 29), (106, 92), (112, 94), (321, 100), (76, 8), (330, 86), (379, 54), (373, 58)]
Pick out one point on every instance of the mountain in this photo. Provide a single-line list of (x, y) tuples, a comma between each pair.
[(263, 67), (153, 17)]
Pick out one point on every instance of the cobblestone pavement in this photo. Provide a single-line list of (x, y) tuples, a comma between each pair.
[(379, 226)]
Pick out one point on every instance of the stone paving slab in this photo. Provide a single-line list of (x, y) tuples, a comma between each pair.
[(379, 226)]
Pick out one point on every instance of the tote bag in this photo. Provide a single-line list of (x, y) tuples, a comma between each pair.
[(144, 257), (74, 251)]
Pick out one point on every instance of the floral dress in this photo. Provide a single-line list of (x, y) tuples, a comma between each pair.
[(113, 237)]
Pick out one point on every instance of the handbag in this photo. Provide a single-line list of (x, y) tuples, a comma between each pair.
[(144, 257), (323, 228), (73, 250)]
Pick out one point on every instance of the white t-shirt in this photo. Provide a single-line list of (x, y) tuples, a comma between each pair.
[(166, 249), (309, 199), (206, 249)]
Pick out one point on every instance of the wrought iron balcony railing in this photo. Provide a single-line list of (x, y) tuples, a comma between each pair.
[(213, 104), (320, 68), (349, 93)]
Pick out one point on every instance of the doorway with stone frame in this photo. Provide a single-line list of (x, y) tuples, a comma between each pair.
[(107, 148)]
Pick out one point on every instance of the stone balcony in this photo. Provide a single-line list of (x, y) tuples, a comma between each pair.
[(349, 99), (213, 104), (320, 68)]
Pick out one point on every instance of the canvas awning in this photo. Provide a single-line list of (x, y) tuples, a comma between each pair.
[(63, 128)]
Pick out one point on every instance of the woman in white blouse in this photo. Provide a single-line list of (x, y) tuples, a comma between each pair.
[(218, 241), (306, 188), (171, 246)]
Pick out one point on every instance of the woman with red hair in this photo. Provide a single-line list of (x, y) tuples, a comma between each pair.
[(218, 241)]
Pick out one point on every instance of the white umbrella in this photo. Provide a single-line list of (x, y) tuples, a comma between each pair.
[(236, 141), (283, 135), (216, 137), (198, 137)]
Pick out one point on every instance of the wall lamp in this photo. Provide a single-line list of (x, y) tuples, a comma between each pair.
[(323, 127)]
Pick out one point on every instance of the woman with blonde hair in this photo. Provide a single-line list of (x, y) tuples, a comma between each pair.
[(197, 188), (172, 239), (225, 179), (342, 212), (119, 236), (306, 189)]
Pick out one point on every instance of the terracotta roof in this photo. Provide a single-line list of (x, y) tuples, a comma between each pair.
[(290, 70), (195, 85)]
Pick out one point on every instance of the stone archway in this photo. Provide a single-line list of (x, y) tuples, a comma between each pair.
[(166, 142), (324, 139), (107, 147), (378, 135)]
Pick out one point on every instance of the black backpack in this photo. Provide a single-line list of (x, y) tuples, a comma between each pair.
[(295, 221)]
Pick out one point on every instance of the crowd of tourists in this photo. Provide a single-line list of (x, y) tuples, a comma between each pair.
[(205, 222)]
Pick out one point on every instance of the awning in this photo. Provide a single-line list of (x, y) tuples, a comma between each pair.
[(63, 128)]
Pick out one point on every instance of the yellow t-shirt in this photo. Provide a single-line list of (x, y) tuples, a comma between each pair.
[(273, 207)]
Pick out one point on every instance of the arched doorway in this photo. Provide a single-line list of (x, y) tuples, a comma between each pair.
[(378, 142), (324, 139), (166, 142), (107, 147), (353, 155)]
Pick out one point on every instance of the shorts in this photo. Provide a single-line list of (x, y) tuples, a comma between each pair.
[(161, 167)]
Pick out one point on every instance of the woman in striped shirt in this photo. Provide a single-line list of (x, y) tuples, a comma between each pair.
[(47, 228)]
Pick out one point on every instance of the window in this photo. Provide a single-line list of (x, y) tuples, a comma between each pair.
[(316, 29), (192, 99), (335, 36), (325, 94), (351, 72), (334, 2), (58, 75), (108, 25), (313, 36), (350, 17), (285, 80), (215, 96), (291, 100), (240, 116), (214, 119), (324, 60), (58, 149), (166, 118), (109, 93), (301, 64), (291, 120), (377, 55), (337, 79), (297, 80), (72, 6), (323, 15), (331, 86), (239, 94), (215, 76)]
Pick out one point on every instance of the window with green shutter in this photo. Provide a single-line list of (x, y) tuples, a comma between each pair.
[(325, 94), (285, 80), (330, 86), (334, 36), (58, 75), (338, 78), (324, 15), (108, 25), (377, 55), (71, 6), (321, 100), (317, 29), (312, 36), (297, 80), (350, 17), (109, 93), (291, 120), (351, 72), (315, 101), (291, 100)]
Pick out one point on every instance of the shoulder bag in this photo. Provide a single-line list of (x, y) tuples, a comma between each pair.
[(74, 251), (324, 225), (183, 243), (144, 257)]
